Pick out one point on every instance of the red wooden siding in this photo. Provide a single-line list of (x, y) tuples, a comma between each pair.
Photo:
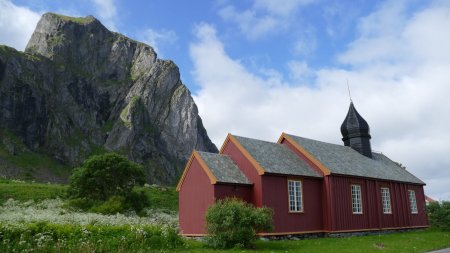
[(195, 196), (342, 216), (275, 196), (372, 216), (247, 168), (326, 202), (243, 192), (419, 219)]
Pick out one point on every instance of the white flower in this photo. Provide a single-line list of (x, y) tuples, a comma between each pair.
[(15, 213)]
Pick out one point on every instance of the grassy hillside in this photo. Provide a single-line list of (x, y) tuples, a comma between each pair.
[(22, 191), (160, 197), (17, 161)]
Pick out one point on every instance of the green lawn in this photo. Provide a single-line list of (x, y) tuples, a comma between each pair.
[(159, 197), (417, 241), (24, 191), (162, 197)]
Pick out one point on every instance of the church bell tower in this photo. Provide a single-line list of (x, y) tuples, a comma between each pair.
[(356, 133)]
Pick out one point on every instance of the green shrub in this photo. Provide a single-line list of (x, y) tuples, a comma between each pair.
[(439, 215), (105, 184), (234, 223), (106, 175), (81, 203), (137, 200), (115, 204)]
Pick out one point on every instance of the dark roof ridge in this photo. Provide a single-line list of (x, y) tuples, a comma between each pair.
[(238, 136), (317, 140), (212, 153)]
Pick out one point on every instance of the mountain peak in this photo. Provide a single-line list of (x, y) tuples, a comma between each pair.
[(57, 35), (78, 20), (99, 90)]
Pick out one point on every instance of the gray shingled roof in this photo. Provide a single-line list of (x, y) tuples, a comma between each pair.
[(224, 168), (276, 158), (346, 161)]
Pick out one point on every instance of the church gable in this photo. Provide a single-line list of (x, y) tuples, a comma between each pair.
[(219, 168)]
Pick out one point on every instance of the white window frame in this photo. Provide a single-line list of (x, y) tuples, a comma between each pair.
[(295, 196), (412, 202), (357, 207), (386, 200)]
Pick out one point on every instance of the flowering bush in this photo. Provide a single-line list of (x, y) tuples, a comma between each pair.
[(234, 223), (48, 227)]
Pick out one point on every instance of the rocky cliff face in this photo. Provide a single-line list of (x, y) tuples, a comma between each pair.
[(80, 89)]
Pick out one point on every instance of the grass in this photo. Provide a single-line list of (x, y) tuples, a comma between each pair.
[(33, 160), (46, 237), (79, 20), (46, 226), (160, 197), (416, 241), (23, 191), (9, 51), (27, 159)]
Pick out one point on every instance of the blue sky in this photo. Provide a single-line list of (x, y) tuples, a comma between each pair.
[(310, 31), (261, 67)]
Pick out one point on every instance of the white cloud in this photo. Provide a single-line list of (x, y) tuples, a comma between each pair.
[(234, 100), (156, 38), (388, 36), (306, 44), (399, 79), (299, 70), (250, 24), (107, 12), (16, 24), (264, 17)]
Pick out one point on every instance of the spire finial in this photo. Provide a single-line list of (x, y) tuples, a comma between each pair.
[(349, 94)]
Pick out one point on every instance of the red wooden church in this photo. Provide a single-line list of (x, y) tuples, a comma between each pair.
[(312, 186)]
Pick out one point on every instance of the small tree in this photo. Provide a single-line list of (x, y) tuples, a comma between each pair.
[(233, 223), (107, 179), (439, 215)]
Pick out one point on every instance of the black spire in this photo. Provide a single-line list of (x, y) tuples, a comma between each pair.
[(355, 132)]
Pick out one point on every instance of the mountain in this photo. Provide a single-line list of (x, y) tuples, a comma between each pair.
[(80, 89)]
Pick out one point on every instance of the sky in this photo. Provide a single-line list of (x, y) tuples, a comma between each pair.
[(257, 68)]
